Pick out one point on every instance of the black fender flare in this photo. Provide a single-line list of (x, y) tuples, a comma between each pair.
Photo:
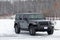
[(16, 24), (31, 25)]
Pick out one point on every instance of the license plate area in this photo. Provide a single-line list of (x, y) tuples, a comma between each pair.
[(45, 27)]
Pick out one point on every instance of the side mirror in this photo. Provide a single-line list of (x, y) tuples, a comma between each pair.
[(25, 19), (20, 18), (44, 18)]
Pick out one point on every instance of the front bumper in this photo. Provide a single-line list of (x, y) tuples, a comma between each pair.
[(42, 28)]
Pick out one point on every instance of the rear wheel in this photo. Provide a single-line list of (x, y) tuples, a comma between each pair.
[(50, 31), (17, 29), (32, 30)]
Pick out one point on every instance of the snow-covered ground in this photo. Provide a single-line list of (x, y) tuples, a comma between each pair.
[(7, 32), (57, 24)]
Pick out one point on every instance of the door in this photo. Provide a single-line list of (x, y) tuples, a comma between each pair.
[(25, 22), (21, 20)]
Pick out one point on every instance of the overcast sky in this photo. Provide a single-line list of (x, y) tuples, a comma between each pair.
[(12, 0), (9, 0)]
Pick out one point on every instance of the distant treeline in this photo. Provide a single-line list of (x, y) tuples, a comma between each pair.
[(47, 7)]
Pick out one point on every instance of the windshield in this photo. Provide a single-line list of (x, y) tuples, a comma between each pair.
[(36, 16)]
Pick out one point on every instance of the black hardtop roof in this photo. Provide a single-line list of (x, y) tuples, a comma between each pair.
[(27, 13)]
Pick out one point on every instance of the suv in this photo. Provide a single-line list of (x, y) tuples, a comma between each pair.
[(32, 22)]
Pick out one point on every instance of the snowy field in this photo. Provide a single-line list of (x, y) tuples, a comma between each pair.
[(7, 32)]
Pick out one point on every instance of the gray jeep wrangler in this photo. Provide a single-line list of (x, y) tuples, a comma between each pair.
[(32, 23)]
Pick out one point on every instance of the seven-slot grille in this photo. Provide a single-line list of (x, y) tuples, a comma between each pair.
[(43, 23)]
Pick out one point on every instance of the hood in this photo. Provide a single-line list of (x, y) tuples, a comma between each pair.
[(39, 20)]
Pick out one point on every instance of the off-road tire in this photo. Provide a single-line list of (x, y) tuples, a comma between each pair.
[(50, 31), (17, 29), (32, 30)]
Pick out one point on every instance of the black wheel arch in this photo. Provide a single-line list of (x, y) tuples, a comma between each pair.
[(16, 24), (31, 25)]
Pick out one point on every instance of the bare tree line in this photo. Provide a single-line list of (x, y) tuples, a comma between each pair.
[(47, 7)]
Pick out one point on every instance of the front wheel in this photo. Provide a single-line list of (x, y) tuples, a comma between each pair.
[(17, 29), (32, 30), (50, 31)]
